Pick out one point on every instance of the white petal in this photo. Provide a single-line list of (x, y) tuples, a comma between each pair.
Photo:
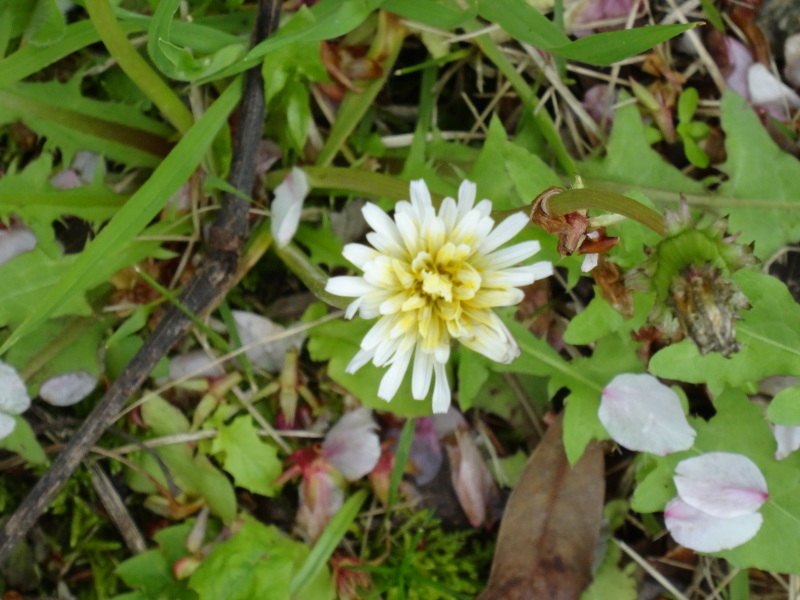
[(493, 340), (68, 389), (421, 377), (352, 446), (359, 254), (348, 286), (381, 223), (508, 257), (410, 233), (441, 389), (394, 376), (287, 206), (7, 425), (194, 364), (787, 438), (702, 532), (589, 262), (14, 397), (420, 197), (641, 413), (504, 232), (361, 358), (722, 484), (466, 197), (765, 88)]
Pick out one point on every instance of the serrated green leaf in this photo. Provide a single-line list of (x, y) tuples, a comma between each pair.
[(762, 193), (253, 463), (72, 122), (769, 334), (132, 218), (785, 407)]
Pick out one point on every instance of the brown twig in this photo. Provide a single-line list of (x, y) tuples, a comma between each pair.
[(202, 294)]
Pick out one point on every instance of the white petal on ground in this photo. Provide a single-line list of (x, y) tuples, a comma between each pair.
[(352, 445), (68, 389), (7, 425), (589, 262), (270, 340), (287, 206), (14, 397), (15, 241), (194, 364), (722, 484), (787, 438), (702, 532), (641, 413)]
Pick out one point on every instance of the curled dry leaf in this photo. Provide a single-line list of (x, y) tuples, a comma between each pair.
[(551, 526)]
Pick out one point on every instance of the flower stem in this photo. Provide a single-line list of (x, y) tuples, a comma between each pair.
[(310, 274), (128, 58), (580, 199)]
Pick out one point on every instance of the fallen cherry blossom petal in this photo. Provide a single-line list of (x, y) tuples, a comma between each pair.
[(287, 206), (426, 450), (739, 61), (68, 389), (641, 413), (269, 344), (769, 92), (352, 446), (703, 532), (14, 241), (788, 439), (722, 484), (14, 399)]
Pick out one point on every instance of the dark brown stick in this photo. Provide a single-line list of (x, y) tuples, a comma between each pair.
[(201, 295)]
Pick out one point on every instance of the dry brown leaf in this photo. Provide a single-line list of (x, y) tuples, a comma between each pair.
[(551, 526)]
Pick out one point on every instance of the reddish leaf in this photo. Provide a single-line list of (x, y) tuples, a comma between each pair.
[(551, 526)]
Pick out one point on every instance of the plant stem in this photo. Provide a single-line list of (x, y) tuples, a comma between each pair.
[(579, 199)]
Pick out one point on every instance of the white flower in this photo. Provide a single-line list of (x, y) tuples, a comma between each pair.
[(718, 496), (287, 206), (432, 277), (14, 399), (641, 413)]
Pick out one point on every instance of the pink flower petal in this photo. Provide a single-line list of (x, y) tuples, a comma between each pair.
[(702, 532), (721, 484), (352, 446), (641, 413), (14, 241)]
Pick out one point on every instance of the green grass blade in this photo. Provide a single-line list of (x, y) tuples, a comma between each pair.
[(327, 542), (140, 209)]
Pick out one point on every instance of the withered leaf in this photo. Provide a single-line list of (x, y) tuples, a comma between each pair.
[(551, 526)]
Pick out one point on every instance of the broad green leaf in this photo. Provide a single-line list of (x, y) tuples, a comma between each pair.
[(23, 441), (473, 371), (785, 407), (599, 319), (769, 333), (253, 463), (739, 426), (257, 562), (71, 122), (631, 161), (323, 246), (762, 193), (611, 581), (137, 212)]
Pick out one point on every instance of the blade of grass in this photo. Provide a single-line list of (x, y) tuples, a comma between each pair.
[(327, 542), (139, 210), (400, 461)]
